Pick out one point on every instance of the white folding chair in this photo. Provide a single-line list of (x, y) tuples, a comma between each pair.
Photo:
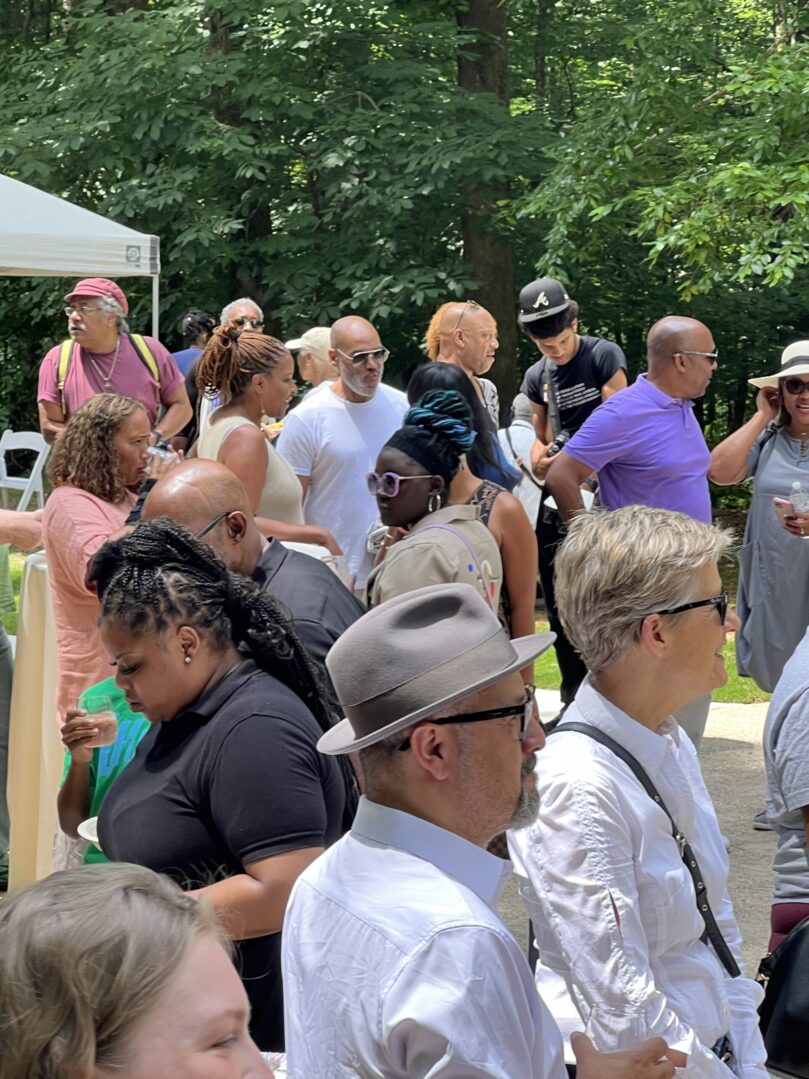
[(31, 484)]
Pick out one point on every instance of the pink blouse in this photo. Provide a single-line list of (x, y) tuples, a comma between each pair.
[(75, 524)]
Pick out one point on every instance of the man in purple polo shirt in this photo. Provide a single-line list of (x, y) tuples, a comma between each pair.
[(646, 445)]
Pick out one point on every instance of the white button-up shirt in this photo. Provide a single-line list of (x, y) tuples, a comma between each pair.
[(613, 904), (396, 963)]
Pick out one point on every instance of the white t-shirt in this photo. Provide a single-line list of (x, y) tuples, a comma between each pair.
[(335, 443)]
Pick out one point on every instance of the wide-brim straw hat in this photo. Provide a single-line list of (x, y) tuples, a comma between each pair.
[(794, 361), (413, 656)]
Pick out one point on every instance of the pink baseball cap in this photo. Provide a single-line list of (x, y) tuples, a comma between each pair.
[(99, 286)]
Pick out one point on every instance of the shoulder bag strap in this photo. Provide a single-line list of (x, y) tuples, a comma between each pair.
[(712, 930), (526, 471), (484, 578)]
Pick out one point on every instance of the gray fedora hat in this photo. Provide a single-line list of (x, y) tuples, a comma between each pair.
[(414, 655)]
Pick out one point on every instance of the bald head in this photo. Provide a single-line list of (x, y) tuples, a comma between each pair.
[(673, 334), (193, 494), (465, 334), (354, 334), (681, 356)]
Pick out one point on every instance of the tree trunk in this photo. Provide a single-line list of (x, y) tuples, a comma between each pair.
[(483, 68)]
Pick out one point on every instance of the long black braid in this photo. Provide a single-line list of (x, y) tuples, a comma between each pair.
[(160, 574)]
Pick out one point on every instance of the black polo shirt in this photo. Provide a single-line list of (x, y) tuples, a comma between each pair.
[(234, 779), (321, 606)]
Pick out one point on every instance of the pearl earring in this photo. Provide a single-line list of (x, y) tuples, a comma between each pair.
[(187, 659)]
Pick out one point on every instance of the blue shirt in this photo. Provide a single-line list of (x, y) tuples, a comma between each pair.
[(648, 450), (186, 358)]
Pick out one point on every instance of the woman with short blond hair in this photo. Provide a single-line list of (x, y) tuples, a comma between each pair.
[(625, 871)]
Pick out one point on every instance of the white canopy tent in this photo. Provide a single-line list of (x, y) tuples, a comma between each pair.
[(45, 236)]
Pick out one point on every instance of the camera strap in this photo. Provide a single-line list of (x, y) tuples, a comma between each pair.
[(553, 404)]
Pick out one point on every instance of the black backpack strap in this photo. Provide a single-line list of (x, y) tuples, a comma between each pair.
[(712, 930)]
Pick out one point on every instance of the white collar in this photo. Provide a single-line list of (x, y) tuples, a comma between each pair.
[(648, 747), (483, 873)]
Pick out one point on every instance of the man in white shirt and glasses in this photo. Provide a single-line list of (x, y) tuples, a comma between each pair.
[(332, 440), (395, 960)]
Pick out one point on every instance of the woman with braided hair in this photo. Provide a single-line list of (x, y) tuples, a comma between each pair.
[(254, 375), (428, 541), (497, 508), (227, 793)]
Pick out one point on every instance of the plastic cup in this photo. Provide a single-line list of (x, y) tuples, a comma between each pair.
[(98, 707)]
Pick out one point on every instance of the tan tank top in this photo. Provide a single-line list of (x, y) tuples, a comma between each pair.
[(282, 495)]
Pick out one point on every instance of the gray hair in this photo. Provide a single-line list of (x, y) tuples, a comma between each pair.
[(381, 758), (224, 318), (110, 306), (615, 567), (84, 956)]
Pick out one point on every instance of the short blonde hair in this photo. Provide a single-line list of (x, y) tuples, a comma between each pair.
[(84, 955), (615, 567)]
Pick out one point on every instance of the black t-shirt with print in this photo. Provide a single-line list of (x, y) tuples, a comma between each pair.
[(577, 385)]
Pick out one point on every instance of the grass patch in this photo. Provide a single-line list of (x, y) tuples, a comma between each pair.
[(16, 562), (736, 691)]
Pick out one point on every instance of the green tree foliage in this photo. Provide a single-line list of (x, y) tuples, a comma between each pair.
[(313, 156), (379, 156)]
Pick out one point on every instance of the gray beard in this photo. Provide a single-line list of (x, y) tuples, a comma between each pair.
[(525, 812)]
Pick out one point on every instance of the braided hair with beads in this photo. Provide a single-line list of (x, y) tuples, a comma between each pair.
[(160, 574)]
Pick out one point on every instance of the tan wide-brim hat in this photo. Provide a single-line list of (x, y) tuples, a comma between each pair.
[(415, 654), (794, 361)]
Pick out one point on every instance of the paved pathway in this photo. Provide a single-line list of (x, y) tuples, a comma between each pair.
[(734, 771)]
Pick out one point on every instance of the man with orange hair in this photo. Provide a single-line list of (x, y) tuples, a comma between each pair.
[(464, 334)]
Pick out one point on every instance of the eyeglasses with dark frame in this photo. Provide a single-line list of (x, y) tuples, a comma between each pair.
[(720, 602), (795, 386), (525, 709), (467, 304), (360, 359), (212, 524), (712, 356), (388, 483)]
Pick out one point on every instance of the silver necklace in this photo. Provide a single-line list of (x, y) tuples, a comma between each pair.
[(106, 381)]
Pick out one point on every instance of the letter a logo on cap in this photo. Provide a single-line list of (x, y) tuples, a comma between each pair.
[(541, 300)]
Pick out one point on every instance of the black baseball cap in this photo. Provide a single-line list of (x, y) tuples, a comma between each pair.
[(544, 297)]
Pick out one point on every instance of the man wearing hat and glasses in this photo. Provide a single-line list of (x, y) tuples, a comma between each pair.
[(576, 373), (101, 356), (395, 960)]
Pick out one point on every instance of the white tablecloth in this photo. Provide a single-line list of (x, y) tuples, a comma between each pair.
[(36, 754)]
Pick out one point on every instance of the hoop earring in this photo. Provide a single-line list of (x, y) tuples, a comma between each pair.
[(434, 502)]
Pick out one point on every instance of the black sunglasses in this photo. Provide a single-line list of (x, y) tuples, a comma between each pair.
[(795, 386), (524, 710), (212, 524), (720, 602), (256, 323)]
